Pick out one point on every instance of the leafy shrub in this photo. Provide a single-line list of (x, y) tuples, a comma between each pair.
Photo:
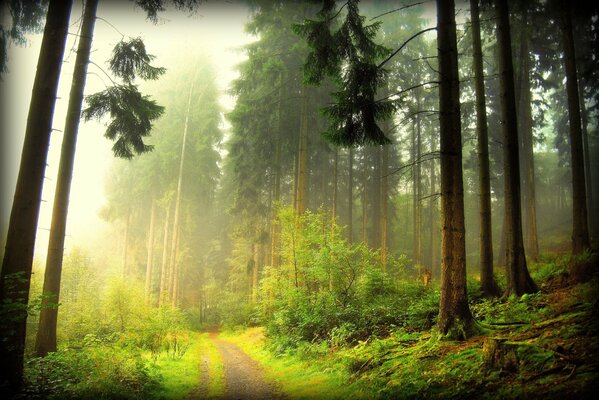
[(326, 290), (98, 372)]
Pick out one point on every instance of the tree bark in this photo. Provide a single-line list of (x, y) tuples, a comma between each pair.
[(165, 257), (384, 206), (274, 255), (125, 255), (587, 166), (302, 175), (455, 318), (350, 197), (150, 258), (418, 193), (487, 281), (580, 231), (518, 278), (525, 130), (364, 198), (335, 189), (46, 333), (434, 215), (15, 277), (173, 267)]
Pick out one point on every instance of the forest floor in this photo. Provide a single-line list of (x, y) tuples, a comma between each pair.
[(243, 376), (543, 345)]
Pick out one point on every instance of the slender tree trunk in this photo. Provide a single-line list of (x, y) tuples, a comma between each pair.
[(150, 258), (164, 265), (587, 166), (487, 281), (580, 231), (274, 261), (364, 198), (255, 270), (518, 278), (525, 130), (384, 206), (302, 182), (375, 189), (126, 244), (335, 188), (350, 198), (174, 276), (173, 267), (15, 277), (455, 318), (434, 215), (46, 333), (418, 183)]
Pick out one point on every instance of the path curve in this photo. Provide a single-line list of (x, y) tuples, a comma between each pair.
[(244, 378)]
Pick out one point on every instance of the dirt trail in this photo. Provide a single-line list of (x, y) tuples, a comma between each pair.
[(244, 378)]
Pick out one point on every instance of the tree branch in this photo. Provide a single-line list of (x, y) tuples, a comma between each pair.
[(398, 9), (404, 44)]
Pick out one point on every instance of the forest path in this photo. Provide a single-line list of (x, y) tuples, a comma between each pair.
[(244, 377)]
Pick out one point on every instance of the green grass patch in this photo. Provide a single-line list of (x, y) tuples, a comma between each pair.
[(180, 376), (198, 373), (295, 376)]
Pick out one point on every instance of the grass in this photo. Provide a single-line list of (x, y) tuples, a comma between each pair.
[(553, 341), (298, 378), (184, 377)]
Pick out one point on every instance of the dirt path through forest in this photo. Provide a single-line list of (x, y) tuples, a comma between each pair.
[(244, 378)]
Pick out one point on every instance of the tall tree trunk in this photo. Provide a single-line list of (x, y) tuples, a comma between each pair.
[(418, 191), (274, 254), (364, 198), (46, 333), (15, 276), (125, 255), (174, 276), (350, 197), (150, 258), (580, 231), (302, 181), (384, 206), (173, 267), (455, 318), (164, 265), (587, 166), (335, 188), (487, 281), (255, 271), (375, 189), (434, 214), (518, 278), (525, 130)]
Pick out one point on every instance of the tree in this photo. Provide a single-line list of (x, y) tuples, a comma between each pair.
[(26, 16), (46, 334), (487, 281), (455, 318), (518, 278), (15, 277), (132, 119), (580, 231)]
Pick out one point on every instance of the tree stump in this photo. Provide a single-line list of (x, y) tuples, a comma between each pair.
[(498, 354)]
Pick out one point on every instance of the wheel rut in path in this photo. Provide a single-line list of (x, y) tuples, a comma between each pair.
[(244, 378)]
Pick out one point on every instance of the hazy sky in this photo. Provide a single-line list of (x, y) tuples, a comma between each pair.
[(216, 27)]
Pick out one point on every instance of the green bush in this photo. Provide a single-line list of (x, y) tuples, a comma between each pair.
[(96, 372), (326, 290)]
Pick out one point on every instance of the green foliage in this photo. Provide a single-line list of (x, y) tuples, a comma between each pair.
[(130, 59), (328, 290), (349, 55), (131, 115), (93, 372)]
